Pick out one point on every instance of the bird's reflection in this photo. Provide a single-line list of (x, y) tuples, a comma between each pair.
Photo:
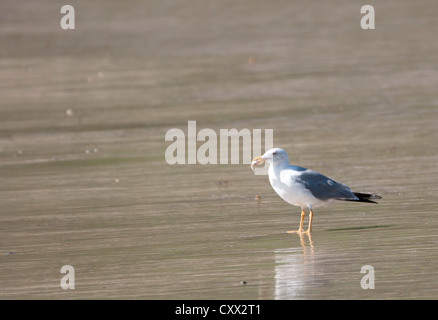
[(295, 269), (308, 244)]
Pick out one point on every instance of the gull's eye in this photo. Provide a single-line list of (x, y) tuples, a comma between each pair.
[(275, 153)]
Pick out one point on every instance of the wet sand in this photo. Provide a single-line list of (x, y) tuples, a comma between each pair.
[(83, 116)]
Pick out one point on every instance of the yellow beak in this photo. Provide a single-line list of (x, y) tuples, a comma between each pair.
[(256, 161)]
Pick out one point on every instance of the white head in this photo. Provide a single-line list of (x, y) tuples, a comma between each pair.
[(275, 156)]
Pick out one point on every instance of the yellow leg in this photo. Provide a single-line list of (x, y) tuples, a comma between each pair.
[(309, 229), (300, 230)]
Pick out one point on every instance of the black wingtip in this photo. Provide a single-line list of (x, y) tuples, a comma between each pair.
[(363, 197), (366, 197)]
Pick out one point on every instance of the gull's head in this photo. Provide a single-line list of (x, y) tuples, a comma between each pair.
[(275, 156)]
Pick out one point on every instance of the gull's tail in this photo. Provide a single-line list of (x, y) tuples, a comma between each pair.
[(366, 197), (362, 197)]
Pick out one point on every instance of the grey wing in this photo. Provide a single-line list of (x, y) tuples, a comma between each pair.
[(324, 188)]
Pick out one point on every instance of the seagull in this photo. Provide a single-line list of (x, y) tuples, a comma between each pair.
[(305, 188)]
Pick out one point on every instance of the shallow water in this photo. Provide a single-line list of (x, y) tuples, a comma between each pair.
[(85, 183)]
